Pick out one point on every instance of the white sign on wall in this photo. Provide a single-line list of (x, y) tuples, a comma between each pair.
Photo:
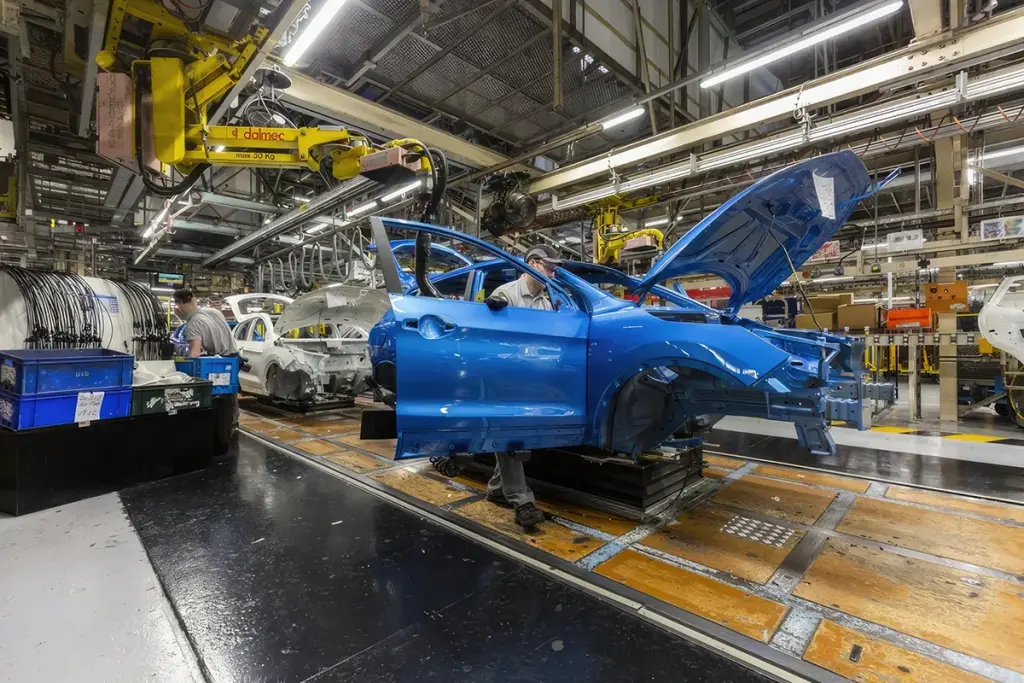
[(1002, 228), (906, 240)]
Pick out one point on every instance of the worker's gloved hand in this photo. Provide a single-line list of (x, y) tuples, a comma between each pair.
[(496, 303)]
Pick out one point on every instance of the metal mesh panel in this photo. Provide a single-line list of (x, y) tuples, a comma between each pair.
[(392, 8), (521, 130), (404, 60), (344, 48), (593, 96)]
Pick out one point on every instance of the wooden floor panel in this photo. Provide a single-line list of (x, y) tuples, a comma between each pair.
[(978, 541), (700, 536), (385, 448), (862, 658), (318, 447), (945, 500), (278, 433), (419, 486), (789, 501), (965, 612), (357, 462), (337, 427), (814, 478), (552, 537), (595, 519), (721, 603), (723, 462)]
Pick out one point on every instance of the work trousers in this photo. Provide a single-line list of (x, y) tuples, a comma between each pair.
[(510, 478)]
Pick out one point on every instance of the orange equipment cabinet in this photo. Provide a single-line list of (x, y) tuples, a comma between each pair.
[(909, 318), (944, 297)]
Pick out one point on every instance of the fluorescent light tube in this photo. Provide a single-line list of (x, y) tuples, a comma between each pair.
[(804, 43), (623, 117), (316, 228), (361, 209), (162, 290), (314, 27), (656, 222), (400, 191), (999, 153), (833, 279), (583, 197)]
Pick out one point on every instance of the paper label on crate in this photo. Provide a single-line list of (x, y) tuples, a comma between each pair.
[(88, 406), (220, 379), (8, 375), (6, 410)]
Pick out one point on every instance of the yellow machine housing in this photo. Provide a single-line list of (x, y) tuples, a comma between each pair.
[(183, 91), (610, 236)]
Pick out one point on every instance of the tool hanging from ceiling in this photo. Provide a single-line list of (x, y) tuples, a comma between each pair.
[(163, 90)]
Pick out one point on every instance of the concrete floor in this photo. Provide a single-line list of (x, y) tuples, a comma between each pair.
[(79, 601)]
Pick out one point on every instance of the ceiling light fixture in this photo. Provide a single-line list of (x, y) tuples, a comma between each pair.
[(314, 27), (361, 209), (622, 117), (818, 36), (656, 222), (400, 191), (999, 153)]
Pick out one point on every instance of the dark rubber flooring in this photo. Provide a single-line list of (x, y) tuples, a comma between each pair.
[(971, 478), (281, 572)]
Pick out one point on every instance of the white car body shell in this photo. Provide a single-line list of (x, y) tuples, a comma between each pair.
[(1001, 321), (317, 348)]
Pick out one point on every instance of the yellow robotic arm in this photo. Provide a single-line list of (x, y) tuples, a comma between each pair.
[(173, 94)]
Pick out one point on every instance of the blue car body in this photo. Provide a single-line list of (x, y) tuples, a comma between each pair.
[(610, 374)]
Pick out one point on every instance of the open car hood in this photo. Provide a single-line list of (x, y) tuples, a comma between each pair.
[(801, 207), (360, 307)]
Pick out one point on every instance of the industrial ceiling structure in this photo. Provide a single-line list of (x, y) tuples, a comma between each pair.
[(665, 108)]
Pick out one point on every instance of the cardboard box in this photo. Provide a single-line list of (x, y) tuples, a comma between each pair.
[(830, 303), (857, 316), (805, 321)]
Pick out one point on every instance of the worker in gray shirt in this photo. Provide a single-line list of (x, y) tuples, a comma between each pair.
[(207, 334), (526, 291), (508, 487)]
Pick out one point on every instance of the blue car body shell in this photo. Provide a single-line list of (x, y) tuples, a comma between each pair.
[(607, 373)]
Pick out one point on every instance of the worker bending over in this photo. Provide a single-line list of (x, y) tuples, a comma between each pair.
[(508, 486), (207, 334)]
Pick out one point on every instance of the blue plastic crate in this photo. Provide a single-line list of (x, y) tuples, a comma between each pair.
[(28, 372), (223, 372), (47, 410)]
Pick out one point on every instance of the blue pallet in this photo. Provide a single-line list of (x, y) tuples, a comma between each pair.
[(216, 366), (28, 372), (47, 410)]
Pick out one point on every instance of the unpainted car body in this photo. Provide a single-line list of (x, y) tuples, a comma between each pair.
[(610, 374), (316, 350)]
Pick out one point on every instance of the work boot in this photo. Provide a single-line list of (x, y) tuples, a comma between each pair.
[(498, 498), (528, 516)]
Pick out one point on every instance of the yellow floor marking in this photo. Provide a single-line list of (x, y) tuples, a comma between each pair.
[(782, 499), (385, 448), (697, 535), (318, 447), (835, 648), (974, 438), (548, 536), (983, 542), (963, 611), (813, 478), (357, 462), (714, 472), (894, 430), (942, 500), (595, 519), (729, 606), (425, 488), (722, 461)]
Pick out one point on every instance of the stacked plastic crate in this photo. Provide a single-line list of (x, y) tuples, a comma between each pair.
[(47, 387)]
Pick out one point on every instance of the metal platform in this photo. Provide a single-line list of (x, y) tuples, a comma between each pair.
[(802, 569)]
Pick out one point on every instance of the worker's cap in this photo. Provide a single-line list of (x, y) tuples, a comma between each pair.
[(546, 253)]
